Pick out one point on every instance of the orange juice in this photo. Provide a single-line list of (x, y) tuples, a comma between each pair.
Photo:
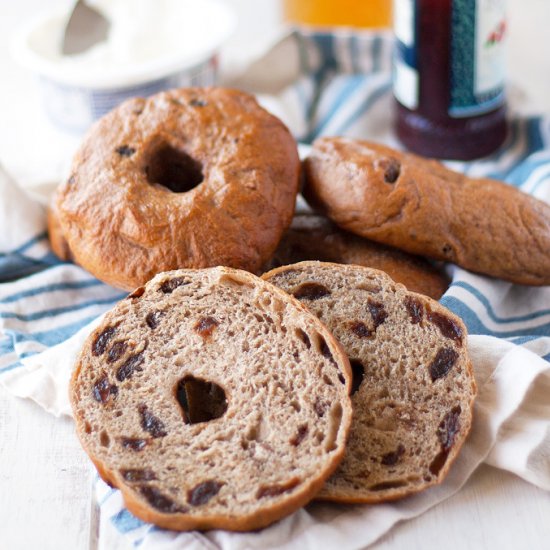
[(327, 13)]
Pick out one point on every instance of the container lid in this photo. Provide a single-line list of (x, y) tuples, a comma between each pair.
[(148, 39)]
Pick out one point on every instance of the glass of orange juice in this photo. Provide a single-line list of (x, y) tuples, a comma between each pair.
[(328, 13)]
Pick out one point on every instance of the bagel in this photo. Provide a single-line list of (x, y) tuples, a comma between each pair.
[(413, 385), (188, 178), (212, 399)]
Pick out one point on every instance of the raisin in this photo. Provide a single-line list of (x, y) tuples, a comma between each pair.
[(129, 367), (101, 340), (134, 443), (138, 475), (392, 169), (360, 329), (103, 390), (415, 309), (150, 423), (449, 428), (378, 313), (171, 284), (205, 326), (203, 492), (443, 363), (358, 373), (71, 180), (277, 489), (311, 291), (116, 351), (153, 319), (447, 250), (125, 151), (300, 435), (195, 102), (446, 325), (303, 337), (392, 458), (161, 502), (138, 292)]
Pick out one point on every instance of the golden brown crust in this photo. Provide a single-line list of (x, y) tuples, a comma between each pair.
[(123, 223), (58, 242), (420, 206), (314, 237), (258, 517)]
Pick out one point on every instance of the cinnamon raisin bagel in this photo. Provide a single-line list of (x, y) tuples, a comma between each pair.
[(188, 178), (212, 400)]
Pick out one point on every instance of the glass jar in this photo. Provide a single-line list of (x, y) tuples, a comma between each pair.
[(449, 76)]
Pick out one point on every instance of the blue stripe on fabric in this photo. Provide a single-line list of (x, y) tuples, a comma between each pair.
[(475, 326), (348, 89), (520, 340), (376, 50), (125, 522), (48, 337), (534, 134), (365, 106), (26, 245), (491, 313), (528, 130), (523, 171), (60, 310), (13, 267), (53, 287)]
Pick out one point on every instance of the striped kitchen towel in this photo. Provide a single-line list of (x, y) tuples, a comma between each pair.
[(319, 84)]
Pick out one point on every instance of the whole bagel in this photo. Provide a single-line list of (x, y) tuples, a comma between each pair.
[(189, 178)]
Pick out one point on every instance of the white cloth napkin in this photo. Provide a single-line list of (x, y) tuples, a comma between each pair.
[(47, 308)]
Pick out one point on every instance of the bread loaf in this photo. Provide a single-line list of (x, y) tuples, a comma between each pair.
[(413, 387), (212, 399), (420, 206)]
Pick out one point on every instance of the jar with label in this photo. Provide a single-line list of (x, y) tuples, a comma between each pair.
[(449, 76)]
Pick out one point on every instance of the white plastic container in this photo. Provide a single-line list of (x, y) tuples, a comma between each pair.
[(153, 45)]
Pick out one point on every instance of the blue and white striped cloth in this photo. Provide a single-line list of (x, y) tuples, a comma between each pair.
[(339, 85)]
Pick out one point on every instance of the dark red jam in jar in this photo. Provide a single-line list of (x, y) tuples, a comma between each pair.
[(449, 76)]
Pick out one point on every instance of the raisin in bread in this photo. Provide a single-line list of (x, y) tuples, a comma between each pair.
[(413, 387), (212, 399), (314, 237)]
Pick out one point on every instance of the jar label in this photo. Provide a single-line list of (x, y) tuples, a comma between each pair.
[(476, 64), (478, 29), (405, 70)]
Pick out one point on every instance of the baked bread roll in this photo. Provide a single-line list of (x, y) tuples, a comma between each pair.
[(313, 237), (420, 206), (413, 387), (188, 178), (212, 400)]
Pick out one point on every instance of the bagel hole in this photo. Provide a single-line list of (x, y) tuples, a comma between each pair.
[(173, 169), (200, 400)]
